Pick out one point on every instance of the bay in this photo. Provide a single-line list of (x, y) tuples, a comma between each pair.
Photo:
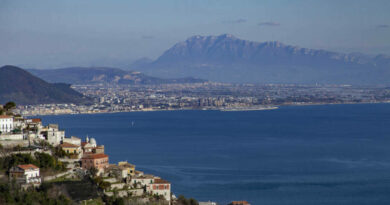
[(328, 154)]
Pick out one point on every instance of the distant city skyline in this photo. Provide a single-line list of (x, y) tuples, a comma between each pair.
[(52, 34)]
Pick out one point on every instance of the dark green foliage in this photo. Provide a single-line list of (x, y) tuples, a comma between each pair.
[(14, 196), (79, 190), (60, 153), (183, 201), (17, 131), (9, 106), (119, 201), (100, 183), (42, 160), (93, 171)]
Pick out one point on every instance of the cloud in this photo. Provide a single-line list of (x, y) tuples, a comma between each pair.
[(383, 26), (237, 21), (147, 37), (268, 23)]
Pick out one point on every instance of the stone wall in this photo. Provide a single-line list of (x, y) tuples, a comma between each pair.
[(14, 143)]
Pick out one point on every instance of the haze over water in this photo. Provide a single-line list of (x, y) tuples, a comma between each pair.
[(331, 154)]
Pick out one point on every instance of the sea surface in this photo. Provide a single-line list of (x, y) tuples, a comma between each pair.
[(328, 154)]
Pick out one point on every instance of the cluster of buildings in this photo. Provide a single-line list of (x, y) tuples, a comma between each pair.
[(125, 98), (86, 155)]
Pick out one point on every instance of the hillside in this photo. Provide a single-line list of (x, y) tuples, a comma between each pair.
[(229, 59), (23, 88), (82, 75)]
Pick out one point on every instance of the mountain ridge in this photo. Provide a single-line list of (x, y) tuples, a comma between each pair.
[(92, 75), (230, 59)]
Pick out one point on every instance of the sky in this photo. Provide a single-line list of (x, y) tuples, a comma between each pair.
[(60, 33)]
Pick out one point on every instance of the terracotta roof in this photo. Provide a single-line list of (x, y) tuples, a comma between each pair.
[(87, 144), (65, 144), (95, 156), (27, 166), (161, 181), (35, 120), (239, 203), (5, 116), (126, 164)]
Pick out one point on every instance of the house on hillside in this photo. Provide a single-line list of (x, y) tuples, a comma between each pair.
[(26, 174), (129, 167), (98, 161), (70, 148), (160, 187), (6, 124)]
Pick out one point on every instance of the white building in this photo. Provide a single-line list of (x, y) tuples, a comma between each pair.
[(160, 187), (26, 174), (6, 123), (54, 135), (73, 140), (144, 180)]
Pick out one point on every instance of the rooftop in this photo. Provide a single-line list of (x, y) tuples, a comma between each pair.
[(239, 203), (69, 145), (27, 166), (5, 116), (95, 156), (36, 120), (161, 181)]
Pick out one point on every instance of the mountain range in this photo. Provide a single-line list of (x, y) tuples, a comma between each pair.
[(23, 88), (93, 75), (229, 59)]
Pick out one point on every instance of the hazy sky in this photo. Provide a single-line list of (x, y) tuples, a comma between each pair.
[(59, 33)]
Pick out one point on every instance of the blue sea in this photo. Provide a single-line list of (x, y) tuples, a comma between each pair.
[(322, 155)]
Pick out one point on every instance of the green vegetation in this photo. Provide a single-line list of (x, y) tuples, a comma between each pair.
[(6, 109), (103, 185), (9, 105), (181, 200), (42, 160), (11, 194)]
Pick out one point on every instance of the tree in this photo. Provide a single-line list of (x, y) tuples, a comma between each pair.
[(9, 105), (93, 171), (183, 201)]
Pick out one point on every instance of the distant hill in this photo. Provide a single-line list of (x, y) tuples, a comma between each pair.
[(23, 88), (229, 59), (82, 75)]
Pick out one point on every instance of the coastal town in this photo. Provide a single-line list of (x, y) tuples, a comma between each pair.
[(108, 98), (78, 158)]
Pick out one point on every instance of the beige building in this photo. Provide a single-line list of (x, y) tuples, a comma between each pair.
[(98, 161), (70, 148), (129, 167)]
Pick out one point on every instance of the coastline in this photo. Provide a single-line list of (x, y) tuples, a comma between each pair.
[(233, 109)]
